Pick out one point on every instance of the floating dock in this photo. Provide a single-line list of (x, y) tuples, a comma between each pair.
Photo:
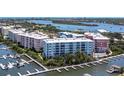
[(28, 72), (93, 64), (87, 65), (19, 74), (105, 62), (86, 74), (36, 70), (81, 66), (99, 62), (74, 68), (66, 69), (2, 66), (10, 65), (59, 70)]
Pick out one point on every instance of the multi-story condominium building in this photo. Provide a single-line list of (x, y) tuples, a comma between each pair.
[(62, 46), (101, 42), (4, 30), (13, 34), (69, 35), (33, 40)]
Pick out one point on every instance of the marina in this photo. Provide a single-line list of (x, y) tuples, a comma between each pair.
[(96, 70), (13, 64)]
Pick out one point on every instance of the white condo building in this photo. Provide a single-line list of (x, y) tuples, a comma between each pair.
[(61, 46), (4, 30)]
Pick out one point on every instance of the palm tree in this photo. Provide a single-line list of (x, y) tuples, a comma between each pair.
[(121, 70), (69, 58)]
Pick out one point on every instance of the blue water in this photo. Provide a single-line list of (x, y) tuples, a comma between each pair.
[(98, 70), (109, 27), (5, 52), (14, 71)]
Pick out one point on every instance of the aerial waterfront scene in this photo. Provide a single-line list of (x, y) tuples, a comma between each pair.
[(53, 46)]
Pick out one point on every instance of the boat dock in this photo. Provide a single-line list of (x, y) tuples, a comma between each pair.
[(81, 66), (5, 48), (86, 74), (8, 56), (113, 69), (36, 62), (93, 64), (58, 69), (28, 72), (2, 66), (66, 69), (19, 74), (86, 64), (37, 70), (74, 68)]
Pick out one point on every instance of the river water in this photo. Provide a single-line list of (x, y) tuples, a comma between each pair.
[(108, 27), (14, 71)]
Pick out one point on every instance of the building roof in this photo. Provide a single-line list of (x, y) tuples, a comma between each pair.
[(58, 40), (74, 34), (34, 35), (7, 27), (99, 36), (16, 31), (96, 35)]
